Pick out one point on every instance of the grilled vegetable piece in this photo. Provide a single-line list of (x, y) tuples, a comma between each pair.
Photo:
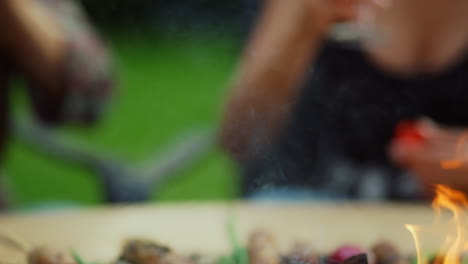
[(43, 255), (386, 253), (409, 132), (302, 253), (262, 249), (148, 252), (345, 252)]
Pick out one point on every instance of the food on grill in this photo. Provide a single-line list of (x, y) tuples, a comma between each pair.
[(148, 252), (43, 255), (303, 253), (343, 253), (386, 253), (357, 259), (261, 249)]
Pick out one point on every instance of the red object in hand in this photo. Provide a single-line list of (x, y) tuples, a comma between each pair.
[(344, 252), (408, 132)]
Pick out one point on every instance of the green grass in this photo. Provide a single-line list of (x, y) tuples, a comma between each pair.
[(167, 85)]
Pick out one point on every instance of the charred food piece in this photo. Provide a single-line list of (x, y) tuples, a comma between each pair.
[(262, 249), (43, 255), (148, 252), (357, 259), (386, 253)]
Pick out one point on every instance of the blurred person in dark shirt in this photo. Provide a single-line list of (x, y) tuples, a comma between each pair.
[(51, 45), (312, 116)]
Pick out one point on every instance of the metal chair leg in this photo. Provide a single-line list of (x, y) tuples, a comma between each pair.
[(121, 182)]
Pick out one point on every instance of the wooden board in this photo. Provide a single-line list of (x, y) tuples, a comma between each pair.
[(98, 233)]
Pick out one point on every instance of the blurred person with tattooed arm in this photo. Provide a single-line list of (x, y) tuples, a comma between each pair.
[(312, 116)]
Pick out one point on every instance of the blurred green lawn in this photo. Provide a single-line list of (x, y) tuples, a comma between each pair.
[(168, 84)]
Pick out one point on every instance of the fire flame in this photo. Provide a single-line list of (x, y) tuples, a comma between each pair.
[(455, 242)]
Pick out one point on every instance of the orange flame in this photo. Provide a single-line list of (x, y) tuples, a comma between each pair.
[(455, 243)]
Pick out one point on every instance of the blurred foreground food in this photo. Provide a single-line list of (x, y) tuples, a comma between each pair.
[(261, 249)]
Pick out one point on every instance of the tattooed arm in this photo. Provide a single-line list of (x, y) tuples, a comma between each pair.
[(272, 68)]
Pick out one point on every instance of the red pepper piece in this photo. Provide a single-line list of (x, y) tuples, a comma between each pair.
[(408, 132)]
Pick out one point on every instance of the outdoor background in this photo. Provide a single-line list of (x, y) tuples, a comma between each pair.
[(174, 59)]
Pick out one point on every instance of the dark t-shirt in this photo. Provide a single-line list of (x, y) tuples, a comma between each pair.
[(343, 122)]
